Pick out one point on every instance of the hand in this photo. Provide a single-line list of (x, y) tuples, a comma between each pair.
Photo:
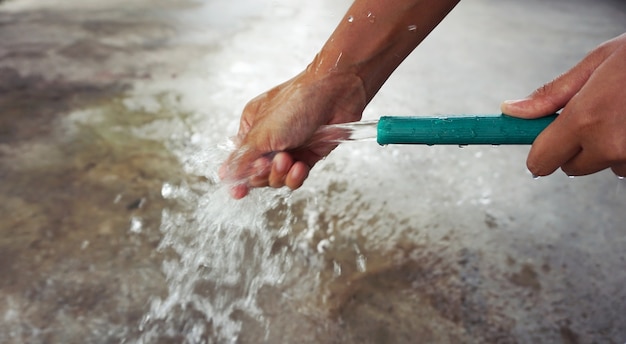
[(276, 143), (590, 133)]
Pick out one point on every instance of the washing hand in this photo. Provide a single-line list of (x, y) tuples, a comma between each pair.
[(276, 132), (277, 141)]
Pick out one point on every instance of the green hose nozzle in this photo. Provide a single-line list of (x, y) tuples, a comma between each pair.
[(460, 130)]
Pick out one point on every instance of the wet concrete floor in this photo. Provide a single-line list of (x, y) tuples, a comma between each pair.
[(113, 228)]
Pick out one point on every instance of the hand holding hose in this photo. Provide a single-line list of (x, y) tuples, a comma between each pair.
[(590, 133)]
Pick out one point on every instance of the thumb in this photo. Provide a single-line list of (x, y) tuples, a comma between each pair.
[(554, 95)]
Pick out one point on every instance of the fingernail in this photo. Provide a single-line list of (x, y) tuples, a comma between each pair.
[(513, 101), (510, 105)]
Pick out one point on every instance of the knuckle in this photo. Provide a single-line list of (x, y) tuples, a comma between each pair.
[(616, 150), (605, 49), (548, 94), (543, 90), (546, 88), (252, 106), (583, 119)]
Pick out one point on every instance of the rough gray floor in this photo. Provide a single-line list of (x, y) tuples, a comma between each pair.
[(113, 229)]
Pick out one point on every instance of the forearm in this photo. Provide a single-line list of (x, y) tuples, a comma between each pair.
[(375, 36)]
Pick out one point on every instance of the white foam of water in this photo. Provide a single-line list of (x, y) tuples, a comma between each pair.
[(223, 258), (219, 250)]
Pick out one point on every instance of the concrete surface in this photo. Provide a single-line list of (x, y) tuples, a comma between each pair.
[(114, 229)]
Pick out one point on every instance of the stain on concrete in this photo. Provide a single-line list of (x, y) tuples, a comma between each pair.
[(526, 277)]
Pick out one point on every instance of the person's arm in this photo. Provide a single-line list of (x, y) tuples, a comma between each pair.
[(375, 36), (589, 135), (369, 43)]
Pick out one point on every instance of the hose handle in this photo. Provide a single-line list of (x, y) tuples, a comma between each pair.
[(460, 130)]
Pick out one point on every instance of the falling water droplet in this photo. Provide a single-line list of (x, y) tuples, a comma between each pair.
[(323, 245), (412, 27), (336, 269), (135, 224), (361, 263), (350, 19), (571, 177), (620, 177)]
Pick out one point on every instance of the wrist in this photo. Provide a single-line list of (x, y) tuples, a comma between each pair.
[(334, 67), (342, 94)]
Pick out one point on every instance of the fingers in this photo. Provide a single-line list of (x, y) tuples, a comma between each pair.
[(297, 174), (277, 171), (554, 95), (565, 142), (260, 171), (555, 146), (240, 165), (584, 163), (239, 191), (287, 172), (281, 165), (579, 144)]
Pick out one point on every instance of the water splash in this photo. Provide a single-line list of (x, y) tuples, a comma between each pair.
[(220, 257), (223, 256)]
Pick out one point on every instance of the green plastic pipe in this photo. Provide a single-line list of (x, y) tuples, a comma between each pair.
[(460, 130)]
